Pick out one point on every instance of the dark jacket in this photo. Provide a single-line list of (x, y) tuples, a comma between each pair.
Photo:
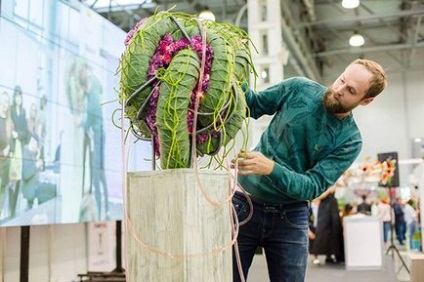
[(329, 236)]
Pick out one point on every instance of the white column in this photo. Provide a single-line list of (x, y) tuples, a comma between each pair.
[(264, 27)]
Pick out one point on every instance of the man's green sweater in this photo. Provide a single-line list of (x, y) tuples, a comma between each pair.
[(311, 147)]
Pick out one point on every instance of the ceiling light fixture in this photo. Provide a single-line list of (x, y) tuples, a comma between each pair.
[(350, 4), (207, 15), (356, 40)]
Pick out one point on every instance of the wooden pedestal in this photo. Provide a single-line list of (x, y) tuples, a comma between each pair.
[(174, 233)]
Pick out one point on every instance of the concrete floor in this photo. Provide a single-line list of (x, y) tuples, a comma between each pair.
[(392, 271)]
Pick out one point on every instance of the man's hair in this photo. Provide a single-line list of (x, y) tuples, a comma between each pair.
[(378, 80)]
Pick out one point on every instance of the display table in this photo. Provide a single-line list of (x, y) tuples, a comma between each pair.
[(417, 267), (363, 241)]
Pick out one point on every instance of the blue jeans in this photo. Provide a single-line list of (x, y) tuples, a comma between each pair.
[(400, 228), (411, 231), (282, 231), (386, 230)]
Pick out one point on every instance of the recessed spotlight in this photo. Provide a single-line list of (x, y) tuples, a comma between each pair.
[(350, 4)]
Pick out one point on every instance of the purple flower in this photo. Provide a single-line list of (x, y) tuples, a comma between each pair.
[(163, 55), (131, 33), (215, 133), (202, 138)]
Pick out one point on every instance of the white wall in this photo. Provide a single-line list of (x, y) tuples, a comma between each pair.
[(383, 123)]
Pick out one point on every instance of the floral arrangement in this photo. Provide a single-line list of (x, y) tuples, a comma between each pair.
[(181, 81), (388, 168), (371, 172)]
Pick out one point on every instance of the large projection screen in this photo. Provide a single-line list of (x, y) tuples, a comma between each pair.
[(60, 153)]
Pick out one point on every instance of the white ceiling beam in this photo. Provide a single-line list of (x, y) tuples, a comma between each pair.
[(337, 21), (358, 50)]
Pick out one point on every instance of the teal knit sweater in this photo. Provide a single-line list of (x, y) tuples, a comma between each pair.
[(310, 146)]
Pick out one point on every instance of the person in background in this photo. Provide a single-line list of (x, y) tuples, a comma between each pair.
[(32, 121), (5, 129), (364, 207), (374, 207), (411, 219), (18, 114), (41, 125), (400, 224), (20, 134), (94, 132), (5, 138), (31, 167), (328, 233), (347, 211), (384, 212), (310, 142)]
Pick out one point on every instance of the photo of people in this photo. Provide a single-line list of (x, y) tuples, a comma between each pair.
[(60, 152)]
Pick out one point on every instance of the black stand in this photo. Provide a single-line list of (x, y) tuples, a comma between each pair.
[(119, 268), (392, 246), (24, 265)]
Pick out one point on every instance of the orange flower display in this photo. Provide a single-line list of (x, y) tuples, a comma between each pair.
[(371, 171)]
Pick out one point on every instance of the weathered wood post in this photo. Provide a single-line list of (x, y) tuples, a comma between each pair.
[(174, 233)]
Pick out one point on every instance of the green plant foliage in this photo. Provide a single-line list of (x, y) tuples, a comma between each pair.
[(178, 82), (222, 107)]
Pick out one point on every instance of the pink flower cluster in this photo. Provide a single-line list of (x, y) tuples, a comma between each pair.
[(166, 49), (163, 55), (131, 33)]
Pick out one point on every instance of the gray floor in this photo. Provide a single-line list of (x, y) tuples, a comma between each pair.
[(391, 272)]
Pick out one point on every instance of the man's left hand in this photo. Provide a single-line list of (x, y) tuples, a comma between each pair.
[(252, 163)]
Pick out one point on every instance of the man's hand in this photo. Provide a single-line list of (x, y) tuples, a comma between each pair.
[(252, 163), (311, 234)]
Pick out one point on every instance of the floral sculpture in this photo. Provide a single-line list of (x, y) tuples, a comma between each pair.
[(181, 77)]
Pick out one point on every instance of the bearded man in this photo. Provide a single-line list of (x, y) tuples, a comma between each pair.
[(311, 140)]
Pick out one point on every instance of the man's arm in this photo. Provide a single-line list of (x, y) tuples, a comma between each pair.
[(268, 101), (300, 186)]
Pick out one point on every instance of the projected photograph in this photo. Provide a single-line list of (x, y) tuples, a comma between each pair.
[(60, 152)]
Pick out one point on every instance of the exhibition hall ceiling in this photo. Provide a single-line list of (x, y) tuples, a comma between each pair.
[(393, 29)]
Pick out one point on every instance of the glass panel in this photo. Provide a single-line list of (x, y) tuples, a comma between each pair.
[(36, 12)]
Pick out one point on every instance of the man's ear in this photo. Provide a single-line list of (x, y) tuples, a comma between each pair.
[(366, 101)]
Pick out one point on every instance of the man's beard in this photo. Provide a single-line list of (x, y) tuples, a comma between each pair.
[(334, 105)]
